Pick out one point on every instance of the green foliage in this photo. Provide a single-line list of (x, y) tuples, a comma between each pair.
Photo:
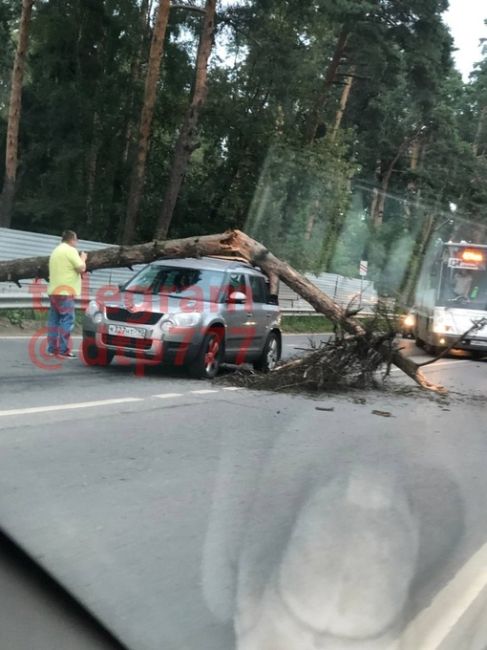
[(300, 202), (411, 128), (306, 324)]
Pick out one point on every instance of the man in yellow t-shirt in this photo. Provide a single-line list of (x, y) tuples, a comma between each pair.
[(65, 268)]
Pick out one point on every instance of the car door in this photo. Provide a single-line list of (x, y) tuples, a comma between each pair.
[(262, 314), (240, 330)]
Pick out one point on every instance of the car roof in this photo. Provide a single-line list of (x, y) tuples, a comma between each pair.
[(208, 264)]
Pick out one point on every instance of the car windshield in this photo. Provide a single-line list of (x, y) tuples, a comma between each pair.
[(178, 282)]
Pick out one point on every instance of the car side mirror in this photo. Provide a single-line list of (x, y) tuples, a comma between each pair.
[(237, 297)]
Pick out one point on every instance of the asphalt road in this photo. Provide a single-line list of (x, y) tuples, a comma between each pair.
[(171, 507)]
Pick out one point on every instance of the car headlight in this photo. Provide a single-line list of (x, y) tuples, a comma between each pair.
[(94, 311), (186, 319), (181, 319)]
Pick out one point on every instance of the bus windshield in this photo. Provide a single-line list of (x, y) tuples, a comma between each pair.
[(465, 288)]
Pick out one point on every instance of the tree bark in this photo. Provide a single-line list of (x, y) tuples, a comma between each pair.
[(135, 77), (343, 103), (312, 219), (147, 113), (91, 169), (414, 269), (14, 112), (415, 154), (234, 244), (378, 213), (331, 73), (480, 129), (187, 142)]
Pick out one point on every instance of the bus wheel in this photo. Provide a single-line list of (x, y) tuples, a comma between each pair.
[(419, 342), (431, 349), (477, 355)]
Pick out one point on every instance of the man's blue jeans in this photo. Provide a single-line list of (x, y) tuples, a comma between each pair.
[(60, 323)]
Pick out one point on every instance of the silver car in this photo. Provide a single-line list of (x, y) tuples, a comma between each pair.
[(193, 312)]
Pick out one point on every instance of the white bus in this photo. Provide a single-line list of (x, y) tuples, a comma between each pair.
[(450, 297)]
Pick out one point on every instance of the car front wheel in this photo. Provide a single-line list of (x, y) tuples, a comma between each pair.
[(92, 355), (210, 356), (270, 354)]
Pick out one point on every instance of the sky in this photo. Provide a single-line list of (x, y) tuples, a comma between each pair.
[(466, 21)]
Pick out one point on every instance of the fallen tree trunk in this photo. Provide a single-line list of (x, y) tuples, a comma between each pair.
[(233, 243), (119, 256)]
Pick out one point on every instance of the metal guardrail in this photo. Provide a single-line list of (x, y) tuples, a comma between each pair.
[(24, 300)]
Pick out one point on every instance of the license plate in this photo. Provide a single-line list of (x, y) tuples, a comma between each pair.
[(129, 332)]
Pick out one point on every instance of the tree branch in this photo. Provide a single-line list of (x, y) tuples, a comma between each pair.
[(189, 7)]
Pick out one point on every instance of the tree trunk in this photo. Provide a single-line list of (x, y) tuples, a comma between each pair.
[(413, 193), (91, 169), (411, 278), (13, 125), (312, 220), (480, 129), (314, 117), (343, 102), (187, 143), (375, 191), (415, 154), (150, 94), (135, 77), (232, 243), (378, 213)]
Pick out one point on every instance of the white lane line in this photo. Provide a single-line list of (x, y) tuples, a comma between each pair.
[(27, 337), (437, 364), (432, 627), (168, 395), (446, 363), (205, 391), (233, 388), (69, 407)]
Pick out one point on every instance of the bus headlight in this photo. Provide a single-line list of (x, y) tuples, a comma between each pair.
[(410, 320)]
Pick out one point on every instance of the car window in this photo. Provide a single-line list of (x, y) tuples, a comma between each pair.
[(260, 293), (236, 282)]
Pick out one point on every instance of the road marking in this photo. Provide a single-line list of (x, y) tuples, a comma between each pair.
[(232, 388), (448, 363), (432, 626), (27, 337), (69, 407), (437, 364), (168, 395), (204, 391)]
